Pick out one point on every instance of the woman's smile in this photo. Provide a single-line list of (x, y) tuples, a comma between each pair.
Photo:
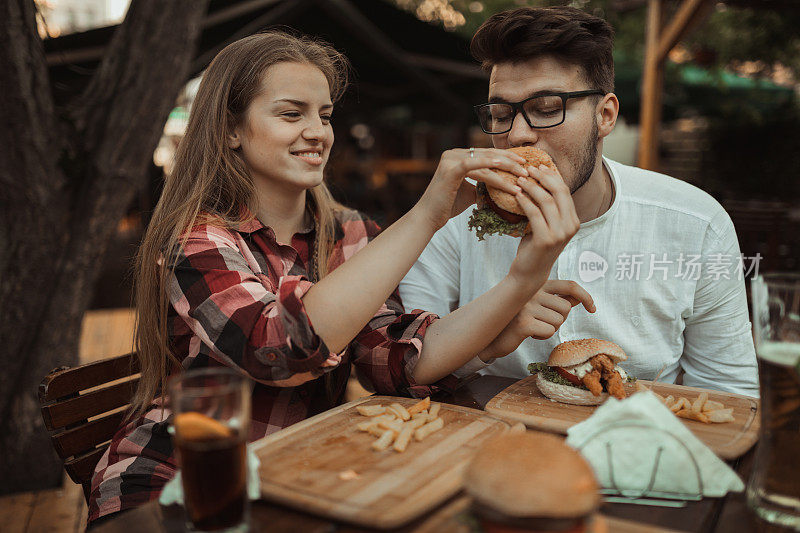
[(312, 157)]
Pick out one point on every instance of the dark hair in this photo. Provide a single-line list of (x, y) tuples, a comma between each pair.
[(566, 33)]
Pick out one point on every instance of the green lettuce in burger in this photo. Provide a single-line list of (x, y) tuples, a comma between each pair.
[(498, 212)]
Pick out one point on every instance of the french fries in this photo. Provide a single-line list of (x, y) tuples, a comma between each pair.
[(395, 426), (399, 410), (720, 415), (691, 414), (701, 409), (384, 441), (402, 439), (427, 429), (697, 406), (371, 410), (420, 406)]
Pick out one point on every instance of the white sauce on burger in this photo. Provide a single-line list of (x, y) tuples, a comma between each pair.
[(584, 368)]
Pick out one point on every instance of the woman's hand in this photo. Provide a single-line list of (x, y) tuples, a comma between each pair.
[(548, 204), (540, 318), (448, 194)]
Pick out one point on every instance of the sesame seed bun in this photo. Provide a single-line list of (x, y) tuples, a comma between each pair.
[(530, 475), (576, 352)]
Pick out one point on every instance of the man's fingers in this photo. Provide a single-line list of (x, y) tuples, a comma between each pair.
[(541, 198), (555, 302), (548, 316), (541, 330), (534, 214), (547, 178), (571, 291), (553, 183)]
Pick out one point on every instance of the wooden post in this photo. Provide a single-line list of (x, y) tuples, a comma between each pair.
[(652, 87), (658, 44)]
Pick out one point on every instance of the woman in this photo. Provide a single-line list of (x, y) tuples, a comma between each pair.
[(249, 263)]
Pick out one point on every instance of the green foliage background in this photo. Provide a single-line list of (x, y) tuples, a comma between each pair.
[(754, 129)]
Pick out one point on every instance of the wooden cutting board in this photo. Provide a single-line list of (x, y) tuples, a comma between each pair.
[(523, 402), (301, 465)]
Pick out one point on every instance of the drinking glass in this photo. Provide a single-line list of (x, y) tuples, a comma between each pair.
[(211, 410), (773, 491)]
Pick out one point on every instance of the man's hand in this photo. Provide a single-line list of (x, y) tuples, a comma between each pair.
[(540, 318)]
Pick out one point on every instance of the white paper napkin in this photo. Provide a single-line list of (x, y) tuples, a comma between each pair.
[(634, 429), (172, 493)]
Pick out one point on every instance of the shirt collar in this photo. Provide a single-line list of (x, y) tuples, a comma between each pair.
[(251, 224)]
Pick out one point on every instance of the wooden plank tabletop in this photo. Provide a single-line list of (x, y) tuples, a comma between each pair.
[(710, 515)]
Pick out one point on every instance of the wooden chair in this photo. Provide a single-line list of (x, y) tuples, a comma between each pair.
[(83, 407)]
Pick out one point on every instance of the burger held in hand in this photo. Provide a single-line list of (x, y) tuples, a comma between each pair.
[(498, 212), (582, 372), (532, 481)]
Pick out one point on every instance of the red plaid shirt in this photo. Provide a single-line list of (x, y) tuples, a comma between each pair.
[(236, 301)]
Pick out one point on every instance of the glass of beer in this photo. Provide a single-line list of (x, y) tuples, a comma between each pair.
[(774, 488), (211, 414)]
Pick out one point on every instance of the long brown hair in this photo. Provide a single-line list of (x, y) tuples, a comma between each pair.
[(210, 183)]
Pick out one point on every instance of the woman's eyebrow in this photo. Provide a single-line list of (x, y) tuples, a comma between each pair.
[(301, 103), (291, 101)]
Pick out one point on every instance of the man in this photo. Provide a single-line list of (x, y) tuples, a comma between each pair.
[(655, 255)]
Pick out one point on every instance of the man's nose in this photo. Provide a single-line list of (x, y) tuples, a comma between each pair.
[(522, 134)]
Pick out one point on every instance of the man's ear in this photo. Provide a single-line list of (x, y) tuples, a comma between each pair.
[(607, 112), (234, 142)]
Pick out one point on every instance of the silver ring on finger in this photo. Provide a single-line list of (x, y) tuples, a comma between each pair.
[(472, 152)]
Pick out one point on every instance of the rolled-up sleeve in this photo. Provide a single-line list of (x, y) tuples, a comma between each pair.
[(237, 313), (386, 351)]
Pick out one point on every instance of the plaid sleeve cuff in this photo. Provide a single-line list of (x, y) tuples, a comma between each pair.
[(407, 332), (306, 348)]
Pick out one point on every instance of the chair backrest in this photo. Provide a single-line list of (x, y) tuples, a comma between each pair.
[(83, 407)]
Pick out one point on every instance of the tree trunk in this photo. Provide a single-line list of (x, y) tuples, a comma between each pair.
[(66, 178)]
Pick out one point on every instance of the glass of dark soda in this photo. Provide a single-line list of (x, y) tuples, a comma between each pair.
[(211, 414)]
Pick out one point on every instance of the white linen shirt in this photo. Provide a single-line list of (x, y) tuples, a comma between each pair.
[(668, 314)]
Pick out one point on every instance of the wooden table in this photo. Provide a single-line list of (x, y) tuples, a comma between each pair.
[(717, 515)]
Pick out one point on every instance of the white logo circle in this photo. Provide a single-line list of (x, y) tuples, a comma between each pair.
[(591, 266)]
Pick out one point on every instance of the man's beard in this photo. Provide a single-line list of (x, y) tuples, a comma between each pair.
[(588, 158)]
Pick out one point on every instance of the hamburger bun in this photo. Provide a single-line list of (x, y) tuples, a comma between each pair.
[(507, 201), (514, 478), (576, 352), (568, 393)]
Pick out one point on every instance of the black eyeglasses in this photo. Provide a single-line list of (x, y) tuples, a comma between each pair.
[(540, 111)]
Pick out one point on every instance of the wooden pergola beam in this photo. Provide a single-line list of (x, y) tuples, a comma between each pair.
[(660, 39), (689, 12)]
